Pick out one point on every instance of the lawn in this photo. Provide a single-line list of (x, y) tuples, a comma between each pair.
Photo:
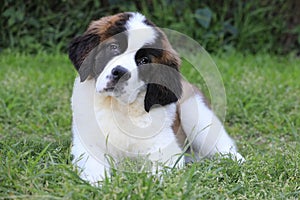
[(263, 97)]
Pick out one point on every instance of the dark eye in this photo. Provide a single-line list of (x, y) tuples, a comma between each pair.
[(144, 60), (114, 46)]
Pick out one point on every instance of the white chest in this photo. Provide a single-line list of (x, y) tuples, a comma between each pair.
[(129, 130)]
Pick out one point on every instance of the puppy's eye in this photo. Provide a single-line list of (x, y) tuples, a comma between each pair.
[(144, 60), (114, 46)]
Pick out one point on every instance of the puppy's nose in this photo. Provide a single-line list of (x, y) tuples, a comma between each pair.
[(120, 72)]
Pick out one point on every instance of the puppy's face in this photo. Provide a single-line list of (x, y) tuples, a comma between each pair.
[(126, 55)]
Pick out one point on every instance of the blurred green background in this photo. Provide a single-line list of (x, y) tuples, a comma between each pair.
[(253, 26)]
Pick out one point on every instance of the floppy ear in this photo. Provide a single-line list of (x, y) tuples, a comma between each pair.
[(81, 54), (164, 86)]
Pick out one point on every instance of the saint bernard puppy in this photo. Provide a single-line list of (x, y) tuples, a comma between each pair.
[(130, 101)]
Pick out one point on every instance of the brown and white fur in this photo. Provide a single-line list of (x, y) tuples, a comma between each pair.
[(130, 100)]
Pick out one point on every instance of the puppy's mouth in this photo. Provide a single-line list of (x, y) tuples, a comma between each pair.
[(109, 89), (111, 86), (114, 88)]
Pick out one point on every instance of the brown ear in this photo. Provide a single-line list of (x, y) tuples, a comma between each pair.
[(81, 54), (164, 85)]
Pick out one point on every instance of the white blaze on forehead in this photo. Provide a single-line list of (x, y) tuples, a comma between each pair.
[(139, 33)]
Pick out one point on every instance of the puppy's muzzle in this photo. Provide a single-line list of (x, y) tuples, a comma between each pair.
[(120, 73), (118, 76)]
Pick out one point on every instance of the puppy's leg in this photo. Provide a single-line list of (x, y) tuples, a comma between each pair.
[(89, 168), (204, 131)]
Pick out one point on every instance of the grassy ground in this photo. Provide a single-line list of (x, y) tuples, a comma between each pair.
[(263, 97)]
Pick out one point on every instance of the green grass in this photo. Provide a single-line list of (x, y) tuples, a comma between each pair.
[(263, 97)]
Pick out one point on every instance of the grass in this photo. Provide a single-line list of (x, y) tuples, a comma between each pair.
[(263, 96)]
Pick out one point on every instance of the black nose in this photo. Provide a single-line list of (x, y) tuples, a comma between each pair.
[(120, 72)]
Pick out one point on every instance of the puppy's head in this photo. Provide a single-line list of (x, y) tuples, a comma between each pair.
[(127, 54)]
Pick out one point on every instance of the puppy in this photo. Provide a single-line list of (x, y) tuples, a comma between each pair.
[(130, 101)]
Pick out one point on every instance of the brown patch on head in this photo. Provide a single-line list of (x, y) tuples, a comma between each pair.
[(82, 49), (109, 26), (169, 56)]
